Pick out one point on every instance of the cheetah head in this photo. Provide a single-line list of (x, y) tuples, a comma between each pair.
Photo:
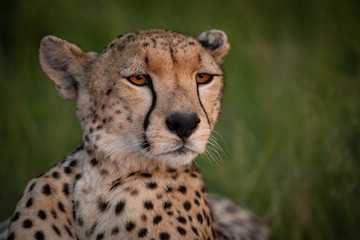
[(148, 96)]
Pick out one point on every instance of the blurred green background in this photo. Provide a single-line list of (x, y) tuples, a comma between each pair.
[(289, 127)]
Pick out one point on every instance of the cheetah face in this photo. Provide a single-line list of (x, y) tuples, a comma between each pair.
[(152, 95)]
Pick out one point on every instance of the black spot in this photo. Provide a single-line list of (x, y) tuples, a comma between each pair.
[(46, 189), (198, 194), (74, 207), (53, 213), (164, 236), (181, 230), (143, 218), (203, 189), (181, 220), (146, 175), (187, 205), (154, 42), (78, 176), (167, 205), (151, 185), (100, 236), (94, 162), (61, 207), (67, 170), (195, 230), (130, 226), (115, 184), (55, 175), (32, 186), (68, 230), (102, 205), (157, 219), (56, 230), (27, 223), (69, 222), (42, 214), (199, 218), (11, 236), (115, 231), (134, 192), (92, 229), (108, 91), (145, 44), (207, 220), (168, 189), (196, 202), (39, 235), (73, 163), (142, 233), (172, 170), (80, 221), (182, 189), (119, 207), (193, 175), (29, 202), (65, 189), (15, 217), (148, 205), (131, 174), (172, 56), (170, 213)]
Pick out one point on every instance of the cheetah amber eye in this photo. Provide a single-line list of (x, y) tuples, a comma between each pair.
[(139, 79), (202, 78)]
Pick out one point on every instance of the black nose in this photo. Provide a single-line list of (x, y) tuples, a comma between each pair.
[(182, 124)]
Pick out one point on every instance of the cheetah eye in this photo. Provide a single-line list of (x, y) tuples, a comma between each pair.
[(203, 78), (139, 79)]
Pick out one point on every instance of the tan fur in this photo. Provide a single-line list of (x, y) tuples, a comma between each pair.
[(133, 176)]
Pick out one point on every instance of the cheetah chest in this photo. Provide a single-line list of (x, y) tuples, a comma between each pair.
[(156, 205)]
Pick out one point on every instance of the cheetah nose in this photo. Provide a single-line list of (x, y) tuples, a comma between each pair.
[(182, 124)]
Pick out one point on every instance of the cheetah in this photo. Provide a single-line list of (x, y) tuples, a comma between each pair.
[(147, 105)]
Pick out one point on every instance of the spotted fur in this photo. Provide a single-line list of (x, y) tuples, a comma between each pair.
[(133, 175)]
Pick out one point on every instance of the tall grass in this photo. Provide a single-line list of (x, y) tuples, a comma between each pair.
[(289, 126)]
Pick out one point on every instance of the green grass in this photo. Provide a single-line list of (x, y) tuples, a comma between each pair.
[(290, 121)]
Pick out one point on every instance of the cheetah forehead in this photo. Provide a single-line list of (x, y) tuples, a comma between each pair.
[(167, 50), (156, 38)]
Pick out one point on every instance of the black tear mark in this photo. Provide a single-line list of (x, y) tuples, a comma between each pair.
[(146, 144), (202, 106)]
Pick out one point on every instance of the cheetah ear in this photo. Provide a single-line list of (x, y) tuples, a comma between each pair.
[(65, 64), (216, 42)]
